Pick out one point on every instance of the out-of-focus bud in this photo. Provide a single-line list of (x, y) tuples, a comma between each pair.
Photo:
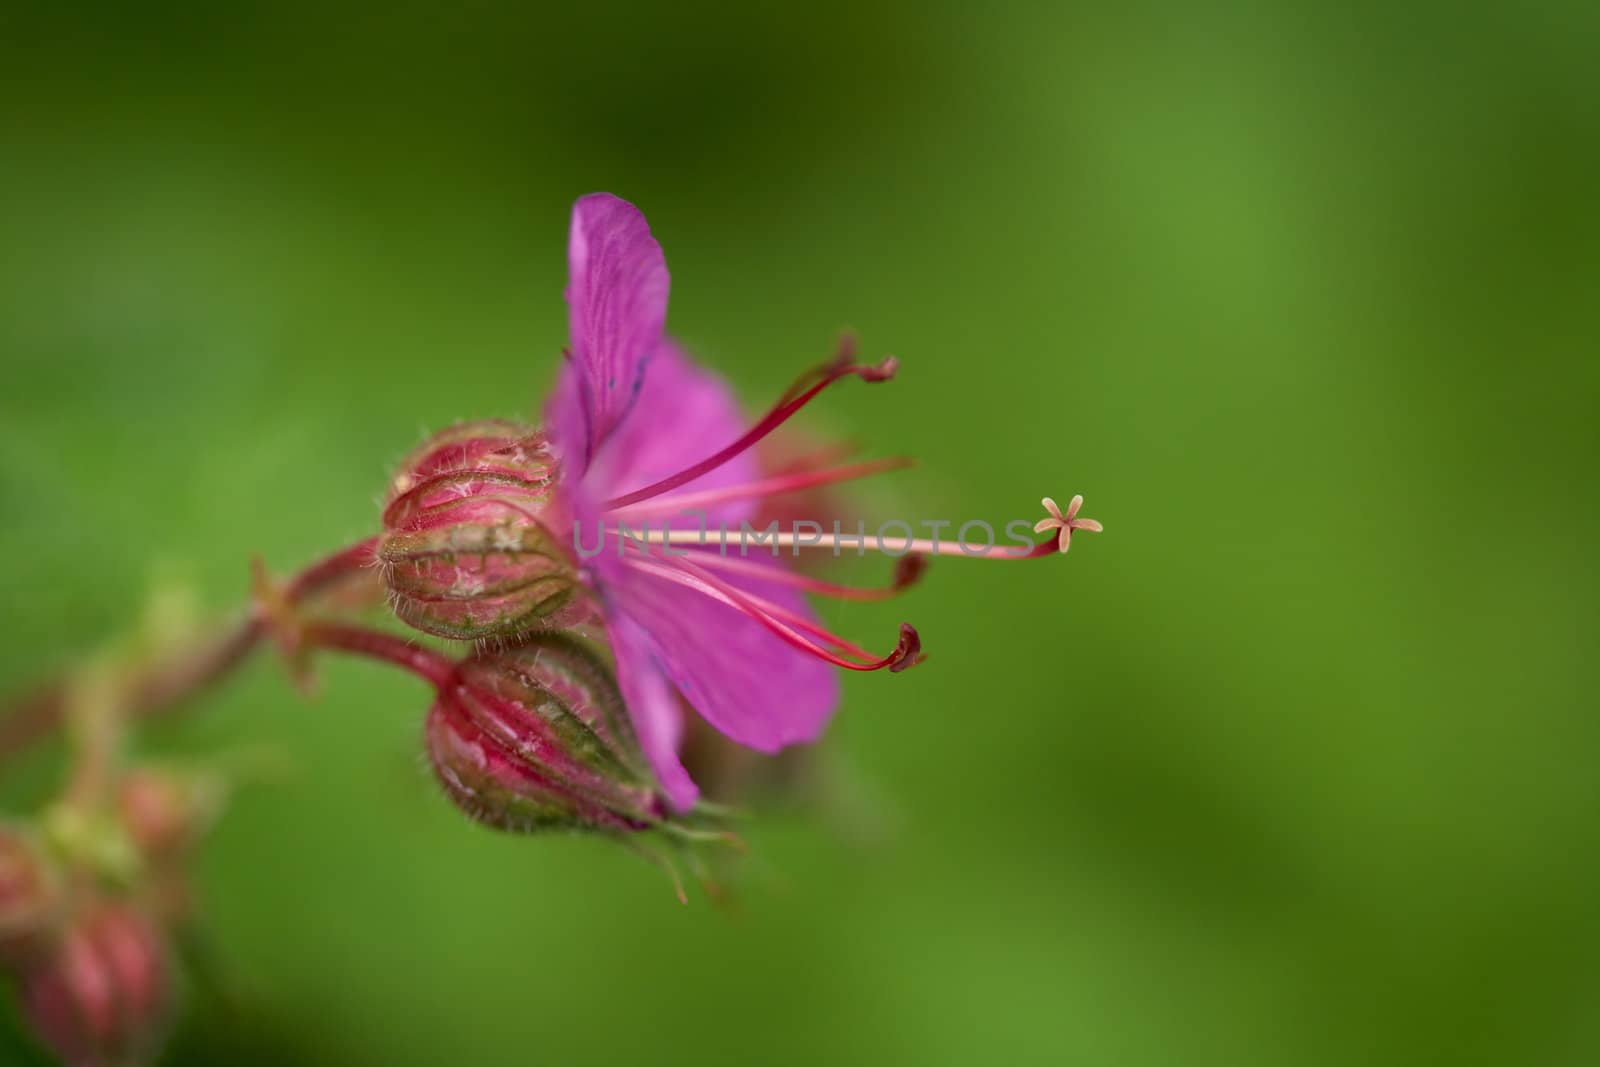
[(104, 994), (466, 552), (166, 812), (28, 892), (536, 737)]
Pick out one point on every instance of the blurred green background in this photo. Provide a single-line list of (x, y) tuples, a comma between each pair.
[(1291, 765)]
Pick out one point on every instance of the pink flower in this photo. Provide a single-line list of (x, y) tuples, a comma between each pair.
[(644, 435), (631, 499)]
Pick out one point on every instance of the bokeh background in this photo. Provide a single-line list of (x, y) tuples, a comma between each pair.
[(1295, 764)]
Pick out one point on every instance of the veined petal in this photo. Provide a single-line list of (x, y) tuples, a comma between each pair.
[(741, 678), (617, 304), (683, 414)]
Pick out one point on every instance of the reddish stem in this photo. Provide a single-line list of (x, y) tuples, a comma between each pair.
[(168, 682), (343, 563), (432, 666)]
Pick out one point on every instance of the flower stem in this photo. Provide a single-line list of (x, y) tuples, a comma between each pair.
[(335, 568), (173, 678), (433, 667)]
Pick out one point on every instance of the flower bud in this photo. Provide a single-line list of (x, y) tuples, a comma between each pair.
[(104, 993), (536, 737), (465, 551), (27, 892), (165, 813)]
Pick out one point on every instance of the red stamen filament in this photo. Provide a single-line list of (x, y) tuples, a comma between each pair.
[(844, 354), (824, 456), (780, 413), (783, 615), (765, 487), (783, 624), (907, 572)]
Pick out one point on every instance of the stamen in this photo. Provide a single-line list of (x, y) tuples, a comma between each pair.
[(1063, 523), (844, 354), (823, 456), (792, 401), (794, 619), (907, 572), (765, 487), (784, 624), (801, 623), (892, 546)]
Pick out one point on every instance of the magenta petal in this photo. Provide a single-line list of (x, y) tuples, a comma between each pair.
[(617, 299), (567, 421), (683, 414), (653, 708), (747, 683)]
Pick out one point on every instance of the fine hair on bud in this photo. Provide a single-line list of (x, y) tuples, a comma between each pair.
[(535, 736), (466, 552)]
